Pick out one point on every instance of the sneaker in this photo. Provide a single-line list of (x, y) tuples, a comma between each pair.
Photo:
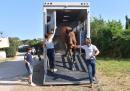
[(73, 68), (53, 70), (94, 79), (32, 84)]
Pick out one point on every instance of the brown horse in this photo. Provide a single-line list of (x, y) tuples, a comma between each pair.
[(70, 41)]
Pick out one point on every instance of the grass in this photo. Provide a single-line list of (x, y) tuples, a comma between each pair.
[(111, 67), (114, 74)]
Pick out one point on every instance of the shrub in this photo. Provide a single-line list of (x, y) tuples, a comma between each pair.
[(11, 51)]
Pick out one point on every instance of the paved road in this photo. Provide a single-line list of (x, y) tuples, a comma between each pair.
[(13, 73), (12, 70)]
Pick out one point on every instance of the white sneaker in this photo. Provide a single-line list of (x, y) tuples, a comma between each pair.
[(53, 70), (32, 84), (94, 79)]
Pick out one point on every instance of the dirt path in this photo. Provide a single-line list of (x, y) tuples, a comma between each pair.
[(120, 82)]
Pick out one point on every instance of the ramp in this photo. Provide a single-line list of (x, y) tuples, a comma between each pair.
[(65, 74)]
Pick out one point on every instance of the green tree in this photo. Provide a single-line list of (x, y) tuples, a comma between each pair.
[(15, 41), (31, 42), (115, 27), (108, 37), (96, 25), (127, 25)]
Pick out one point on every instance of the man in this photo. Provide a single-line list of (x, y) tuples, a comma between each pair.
[(91, 52), (29, 65)]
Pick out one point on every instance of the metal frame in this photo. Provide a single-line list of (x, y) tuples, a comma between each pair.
[(61, 6), (67, 5), (44, 49)]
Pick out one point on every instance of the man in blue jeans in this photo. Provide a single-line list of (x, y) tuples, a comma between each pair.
[(29, 66), (91, 52)]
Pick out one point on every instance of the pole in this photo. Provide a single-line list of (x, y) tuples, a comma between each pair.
[(88, 23), (44, 49)]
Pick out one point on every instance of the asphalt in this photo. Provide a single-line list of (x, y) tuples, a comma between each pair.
[(13, 73)]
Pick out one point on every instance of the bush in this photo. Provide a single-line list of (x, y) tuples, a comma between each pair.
[(11, 51)]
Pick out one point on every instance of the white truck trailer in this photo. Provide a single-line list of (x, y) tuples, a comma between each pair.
[(76, 15)]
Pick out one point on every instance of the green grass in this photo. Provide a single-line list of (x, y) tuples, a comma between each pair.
[(111, 67)]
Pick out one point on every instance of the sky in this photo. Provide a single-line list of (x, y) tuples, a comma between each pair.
[(23, 18)]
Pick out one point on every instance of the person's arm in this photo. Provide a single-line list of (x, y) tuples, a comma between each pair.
[(53, 33), (78, 46), (96, 51), (26, 61), (25, 57)]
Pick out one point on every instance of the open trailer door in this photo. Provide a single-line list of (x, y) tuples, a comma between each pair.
[(52, 16)]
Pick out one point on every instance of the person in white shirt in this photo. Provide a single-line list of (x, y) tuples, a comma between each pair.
[(50, 49), (91, 51)]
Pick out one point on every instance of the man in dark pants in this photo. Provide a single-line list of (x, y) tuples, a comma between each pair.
[(91, 52)]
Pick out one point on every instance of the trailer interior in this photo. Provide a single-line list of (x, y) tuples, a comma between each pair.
[(72, 18)]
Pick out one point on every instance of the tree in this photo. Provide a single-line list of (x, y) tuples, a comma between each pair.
[(115, 27), (107, 35), (127, 25), (31, 42), (96, 25), (14, 41)]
